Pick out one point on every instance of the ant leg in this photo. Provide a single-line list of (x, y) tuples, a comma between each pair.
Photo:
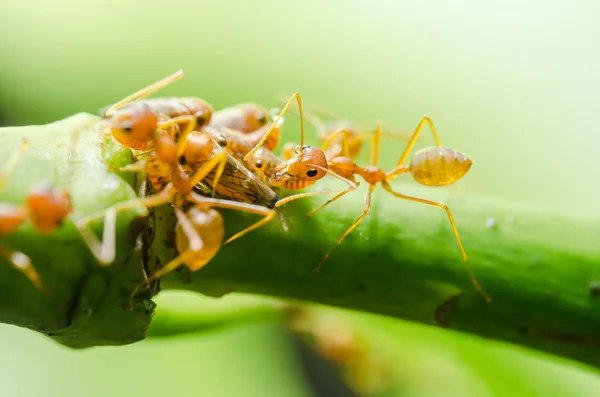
[(331, 200), (350, 229), (268, 213), (454, 230), (275, 125), (195, 245), (220, 160), (375, 145), (10, 164), (350, 183), (146, 91), (363, 136), (22, 263), (139, 166), (169, 267), (156, 200), (103, 251), (330, 138), (191, 124), (195, 242), (415, 136)]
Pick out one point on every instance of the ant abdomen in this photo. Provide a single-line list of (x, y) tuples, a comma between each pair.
[(439, 166), (209, 226)]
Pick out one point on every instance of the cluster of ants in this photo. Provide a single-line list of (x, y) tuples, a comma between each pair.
[(182, 143)]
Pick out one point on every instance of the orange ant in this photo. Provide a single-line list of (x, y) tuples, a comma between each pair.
[(250, 119), (304, 169), (137, 127), (136, 124), (47, 209), (200, 230), (181, 185), (431, 166)]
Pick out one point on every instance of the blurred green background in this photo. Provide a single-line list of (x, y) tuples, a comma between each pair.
[(512, 84)]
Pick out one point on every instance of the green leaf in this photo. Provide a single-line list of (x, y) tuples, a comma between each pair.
[(86, 300)]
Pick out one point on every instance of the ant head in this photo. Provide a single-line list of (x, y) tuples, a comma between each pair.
[(11, 217), (203, 113), (259, 163), (255, 116), (48, 207), (218, 136), (132, 126), (198, 149), (307, 164)]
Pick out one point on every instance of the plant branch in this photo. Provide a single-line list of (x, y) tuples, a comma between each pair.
[(402, 261)]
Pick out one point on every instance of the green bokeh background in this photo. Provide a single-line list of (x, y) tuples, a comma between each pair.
[(512, 84)]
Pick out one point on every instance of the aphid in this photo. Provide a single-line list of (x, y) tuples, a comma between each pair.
[(262, 163), (431, 166), (47, 209), (236, 182), (251, 120), (136, 124)]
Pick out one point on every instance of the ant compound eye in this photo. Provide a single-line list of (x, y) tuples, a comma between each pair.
[(312, 172), (182, 160), (222, 142), (258, 164), (200, 121), (127, 126)]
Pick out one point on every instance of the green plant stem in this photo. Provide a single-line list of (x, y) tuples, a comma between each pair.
[(401, 261)]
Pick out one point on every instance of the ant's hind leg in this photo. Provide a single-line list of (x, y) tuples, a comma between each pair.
[(139, 166), (415, 136), (268, 213), (454, 230), (349, 230), (22, 263), (156, 200), (330, 139), (104, 251)]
